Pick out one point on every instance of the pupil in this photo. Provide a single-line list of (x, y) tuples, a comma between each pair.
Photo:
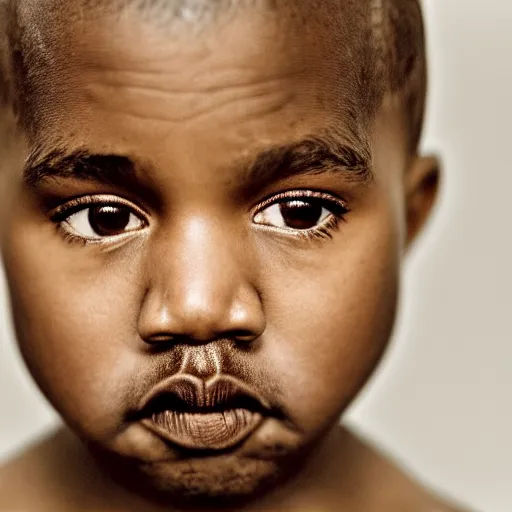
[(301, 215), (109, 220)]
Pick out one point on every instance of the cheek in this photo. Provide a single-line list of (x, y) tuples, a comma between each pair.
[(75, 323), (331, 320)]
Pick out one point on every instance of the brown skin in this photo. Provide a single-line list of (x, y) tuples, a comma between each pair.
[(304, 321)]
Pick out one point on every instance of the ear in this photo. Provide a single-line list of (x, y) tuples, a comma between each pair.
[(421, 186)]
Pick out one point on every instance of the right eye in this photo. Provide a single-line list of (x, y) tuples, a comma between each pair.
[(103, 221), (92, 220)]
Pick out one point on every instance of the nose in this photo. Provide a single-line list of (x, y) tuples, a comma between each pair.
[(199, 288)]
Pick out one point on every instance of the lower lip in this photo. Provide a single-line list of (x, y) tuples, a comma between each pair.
[(205, 431)]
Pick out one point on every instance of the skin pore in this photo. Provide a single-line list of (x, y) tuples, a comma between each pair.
[(223, 200)]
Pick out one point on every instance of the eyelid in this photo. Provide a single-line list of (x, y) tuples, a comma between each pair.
[(299, 193), (80, 203)]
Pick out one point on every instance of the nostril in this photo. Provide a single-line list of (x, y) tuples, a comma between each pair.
[(164, 341), (243, 336), (158, 339)]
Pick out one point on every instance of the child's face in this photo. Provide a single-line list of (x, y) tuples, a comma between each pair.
[(184, 243)]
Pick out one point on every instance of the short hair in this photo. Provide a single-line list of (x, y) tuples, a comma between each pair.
[(395, 46)]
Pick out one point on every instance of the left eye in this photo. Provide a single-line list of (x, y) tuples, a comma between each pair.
[(101, 221), (300, 214)]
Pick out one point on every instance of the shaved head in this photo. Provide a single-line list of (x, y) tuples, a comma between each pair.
[(392, 52)]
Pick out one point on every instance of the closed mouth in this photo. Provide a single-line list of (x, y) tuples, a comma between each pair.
[(196, 415)]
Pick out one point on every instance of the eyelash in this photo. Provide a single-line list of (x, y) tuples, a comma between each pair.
[(337, 207)]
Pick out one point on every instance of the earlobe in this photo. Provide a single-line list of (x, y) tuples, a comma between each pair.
[(422, 183)]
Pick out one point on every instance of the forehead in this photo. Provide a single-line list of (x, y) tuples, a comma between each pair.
[(304, 64)]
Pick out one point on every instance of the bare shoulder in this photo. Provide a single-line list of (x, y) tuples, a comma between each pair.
[(56, 475), (391, 487), (22, 479), (16, 481), (29, 482)]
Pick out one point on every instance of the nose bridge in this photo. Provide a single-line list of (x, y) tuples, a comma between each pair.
[(199, 286), (206, 271)]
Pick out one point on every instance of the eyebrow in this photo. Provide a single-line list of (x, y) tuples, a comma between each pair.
[(79, 164), (313, 155)]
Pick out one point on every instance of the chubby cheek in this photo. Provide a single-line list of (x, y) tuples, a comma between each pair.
[(331, 319), (73, 320)]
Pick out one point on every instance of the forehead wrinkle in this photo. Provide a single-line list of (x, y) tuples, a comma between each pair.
[(390, 43), (30, 26)]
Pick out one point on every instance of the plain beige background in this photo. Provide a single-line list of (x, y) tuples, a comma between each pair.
[(441, 401)]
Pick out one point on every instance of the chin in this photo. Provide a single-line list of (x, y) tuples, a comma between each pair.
[(145, 463), (219, 480)]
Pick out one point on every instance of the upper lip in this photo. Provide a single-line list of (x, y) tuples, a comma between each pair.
[(188, 393)]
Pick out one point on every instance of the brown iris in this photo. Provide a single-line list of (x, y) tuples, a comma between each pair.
[(301, 214), (109, 220)]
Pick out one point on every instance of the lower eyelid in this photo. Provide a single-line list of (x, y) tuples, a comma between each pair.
[(72, 236), (331, 221)]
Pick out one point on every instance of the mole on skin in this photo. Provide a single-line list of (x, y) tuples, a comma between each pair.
[(203, 218)]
